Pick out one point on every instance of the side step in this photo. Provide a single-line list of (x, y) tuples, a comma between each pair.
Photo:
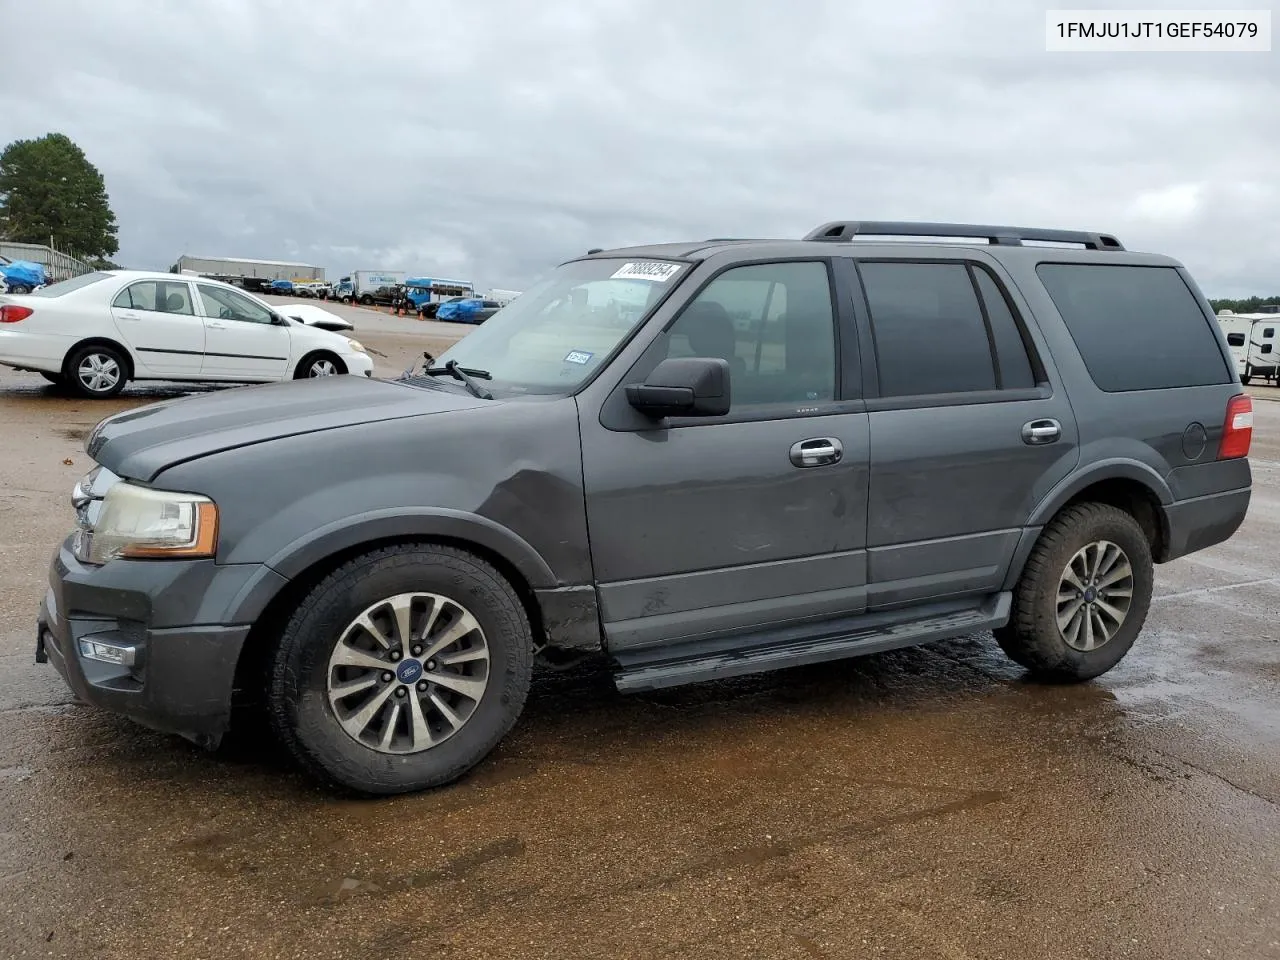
[(697, 661)]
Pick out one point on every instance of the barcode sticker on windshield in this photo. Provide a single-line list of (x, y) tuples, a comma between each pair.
[(578, 356), (652, 270)]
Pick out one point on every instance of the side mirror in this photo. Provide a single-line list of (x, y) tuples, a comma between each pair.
[(683, 387)]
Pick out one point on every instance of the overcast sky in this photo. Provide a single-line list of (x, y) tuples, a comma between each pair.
[(488, 140)]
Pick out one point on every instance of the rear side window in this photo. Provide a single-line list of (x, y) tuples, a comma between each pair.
[(928, 328), (1137, 328)]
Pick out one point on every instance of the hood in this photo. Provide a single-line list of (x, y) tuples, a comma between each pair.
[(140, 443)]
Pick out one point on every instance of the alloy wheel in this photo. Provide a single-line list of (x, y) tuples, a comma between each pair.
[(408, 673), (1094, 595)]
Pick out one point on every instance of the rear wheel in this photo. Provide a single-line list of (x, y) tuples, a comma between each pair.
[(97, 371), (402, 670), (1083, 595)]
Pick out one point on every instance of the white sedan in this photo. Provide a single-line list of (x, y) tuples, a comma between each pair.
[(96, 332)]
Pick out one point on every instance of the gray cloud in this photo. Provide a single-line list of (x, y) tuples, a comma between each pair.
[(488, 141)]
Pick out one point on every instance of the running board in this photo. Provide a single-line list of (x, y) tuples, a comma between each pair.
[(698, 661)]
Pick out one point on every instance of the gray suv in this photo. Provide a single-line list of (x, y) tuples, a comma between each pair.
[(697, 460)]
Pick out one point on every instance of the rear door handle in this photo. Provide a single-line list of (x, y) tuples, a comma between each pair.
[(128, 316), (816, 452), (1037, 432)]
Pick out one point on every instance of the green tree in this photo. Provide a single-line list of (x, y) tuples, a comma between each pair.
[(48, 188)]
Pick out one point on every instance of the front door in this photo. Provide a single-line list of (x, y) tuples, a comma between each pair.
[(702, 527), (968, 433), (242, 339), (156, 319)]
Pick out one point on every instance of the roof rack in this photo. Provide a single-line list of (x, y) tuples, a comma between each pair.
[(843, 231)]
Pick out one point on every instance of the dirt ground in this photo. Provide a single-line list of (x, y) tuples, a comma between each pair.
[(929, 803)]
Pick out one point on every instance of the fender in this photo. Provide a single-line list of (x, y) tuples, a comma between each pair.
[(1115, 468), (388, 523)]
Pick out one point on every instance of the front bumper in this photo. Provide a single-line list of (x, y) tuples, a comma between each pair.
[(181, 678)]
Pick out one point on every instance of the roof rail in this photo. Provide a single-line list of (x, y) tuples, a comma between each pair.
[(842, 231)]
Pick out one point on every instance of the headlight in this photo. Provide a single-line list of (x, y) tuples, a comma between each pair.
[(139, 522), (356, 345)]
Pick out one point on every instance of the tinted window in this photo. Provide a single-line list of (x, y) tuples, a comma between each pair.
[(1269, 332), (1137, 328), (1235, 339), (160, 296), (229, 305), (1266, 348), (66, 286), (773, 323), (929, 333), (1011, 351)]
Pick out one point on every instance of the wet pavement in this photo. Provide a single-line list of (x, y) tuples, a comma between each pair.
[(927, 803)]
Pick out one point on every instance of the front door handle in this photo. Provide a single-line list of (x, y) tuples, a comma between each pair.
[(1037, 432), (816, 452), (215, 325)]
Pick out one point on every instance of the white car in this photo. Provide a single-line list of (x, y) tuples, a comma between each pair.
[(96, 332)]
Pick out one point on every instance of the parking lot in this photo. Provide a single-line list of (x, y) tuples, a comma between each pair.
[(928, 803)]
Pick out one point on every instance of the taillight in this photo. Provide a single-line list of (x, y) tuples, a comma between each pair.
[(1237, 432), (12, 313)]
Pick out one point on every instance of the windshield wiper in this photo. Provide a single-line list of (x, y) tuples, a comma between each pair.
[(466, 375)]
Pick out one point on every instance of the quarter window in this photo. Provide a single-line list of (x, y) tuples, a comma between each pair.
[(774, 324), (229, 305), (930, 335), (1136, 327), (158, 296)]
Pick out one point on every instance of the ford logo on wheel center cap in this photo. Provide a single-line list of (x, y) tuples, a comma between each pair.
[(408, 671)]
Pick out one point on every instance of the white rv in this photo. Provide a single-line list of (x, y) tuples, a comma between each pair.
[(1254, 339)]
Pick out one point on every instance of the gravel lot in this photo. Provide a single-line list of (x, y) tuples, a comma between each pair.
[(928, 803)]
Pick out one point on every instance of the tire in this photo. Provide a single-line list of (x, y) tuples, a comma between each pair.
[(301, 671), (1245, 378), (319, 365), (98, 364), (367, 300), (1032, 637)]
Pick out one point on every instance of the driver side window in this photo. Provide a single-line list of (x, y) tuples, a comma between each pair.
[(229, 305), (774, 323)]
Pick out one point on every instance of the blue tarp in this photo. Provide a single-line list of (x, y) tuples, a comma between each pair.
[(24, 272), (459, 309)]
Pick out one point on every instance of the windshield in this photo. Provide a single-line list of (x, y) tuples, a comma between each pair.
[(66, 286), (555, 336)]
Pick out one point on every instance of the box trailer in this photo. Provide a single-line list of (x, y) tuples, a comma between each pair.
[(1254, 344)]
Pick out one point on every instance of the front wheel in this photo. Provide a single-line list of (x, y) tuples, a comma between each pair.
[(1083, 595), (97, 371), (402, 669), (319, 365)]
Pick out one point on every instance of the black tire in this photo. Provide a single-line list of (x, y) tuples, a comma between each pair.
[(105, 354), (367, 300), (300, 712), (309, 364), (1245, 378), (1032, 637)]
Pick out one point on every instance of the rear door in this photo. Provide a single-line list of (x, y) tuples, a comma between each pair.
[(157, 319), (242, 339), (968, 429)]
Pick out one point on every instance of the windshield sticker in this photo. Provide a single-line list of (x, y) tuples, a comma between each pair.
[(578, 356), (653, 271)]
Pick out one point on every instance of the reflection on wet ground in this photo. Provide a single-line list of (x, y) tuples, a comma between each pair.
[(926, 803)]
